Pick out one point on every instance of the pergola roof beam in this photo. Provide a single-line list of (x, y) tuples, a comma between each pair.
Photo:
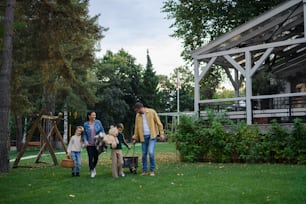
[(206, 68), (249, 35), (246, 26), (235, 64), (253, 48), (261, 60)]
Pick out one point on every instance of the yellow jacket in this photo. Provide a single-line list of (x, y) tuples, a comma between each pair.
[(155, 126)]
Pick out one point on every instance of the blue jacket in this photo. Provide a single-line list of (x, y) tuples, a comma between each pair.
[(98, 128)]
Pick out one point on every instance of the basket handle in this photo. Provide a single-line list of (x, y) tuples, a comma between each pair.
[(127, 151), (133, 149)]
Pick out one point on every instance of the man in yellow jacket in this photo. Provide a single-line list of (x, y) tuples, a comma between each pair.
[(147, 128)]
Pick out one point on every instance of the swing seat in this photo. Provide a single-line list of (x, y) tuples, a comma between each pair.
[(34, 144)]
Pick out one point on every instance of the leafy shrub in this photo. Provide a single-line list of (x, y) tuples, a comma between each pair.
[(187, 139), (277, 140), (199, 140), (247, 142), (218, 142), (297, 142)]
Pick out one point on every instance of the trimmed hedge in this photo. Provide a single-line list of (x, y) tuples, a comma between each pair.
[(199, 140)]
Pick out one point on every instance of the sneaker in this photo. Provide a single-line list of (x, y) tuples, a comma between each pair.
[(144, 173), (77, 174), (123, 175), (92, 174), (73, 174), (95, 171), (152, 173)]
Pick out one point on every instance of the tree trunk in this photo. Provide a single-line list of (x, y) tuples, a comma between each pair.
[(19, 133), (5, 78)]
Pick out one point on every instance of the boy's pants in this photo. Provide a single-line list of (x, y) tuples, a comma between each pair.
[(117, 162)]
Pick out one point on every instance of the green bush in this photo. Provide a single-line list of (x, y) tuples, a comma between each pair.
[(218, 137), (247, 141), (297, 142), (277, 140), (187, 139), (199, 140)]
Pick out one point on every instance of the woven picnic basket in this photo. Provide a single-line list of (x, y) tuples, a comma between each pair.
[(67, 162)]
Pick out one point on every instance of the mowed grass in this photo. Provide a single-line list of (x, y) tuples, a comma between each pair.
[(175, 182)]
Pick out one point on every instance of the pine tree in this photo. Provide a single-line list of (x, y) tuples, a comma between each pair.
[(149, 91)]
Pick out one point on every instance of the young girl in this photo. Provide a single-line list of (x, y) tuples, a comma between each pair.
[(74, 150), (116, 153)]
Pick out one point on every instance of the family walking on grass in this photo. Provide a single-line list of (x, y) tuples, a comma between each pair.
[(147, 127)]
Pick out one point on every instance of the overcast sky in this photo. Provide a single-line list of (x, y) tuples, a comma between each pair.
[(135, 26)]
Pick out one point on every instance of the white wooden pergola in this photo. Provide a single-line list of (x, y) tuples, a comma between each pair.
[(276, 37)]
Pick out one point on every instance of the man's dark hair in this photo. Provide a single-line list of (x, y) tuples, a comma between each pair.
[(138, 105)]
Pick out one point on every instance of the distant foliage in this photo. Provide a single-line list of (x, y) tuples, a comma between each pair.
[(197, 22), (199, 140)]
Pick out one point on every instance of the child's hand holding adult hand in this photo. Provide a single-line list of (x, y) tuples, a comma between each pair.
[(86, 143)]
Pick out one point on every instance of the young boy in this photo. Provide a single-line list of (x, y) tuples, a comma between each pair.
[(74, 150), (116, 153)]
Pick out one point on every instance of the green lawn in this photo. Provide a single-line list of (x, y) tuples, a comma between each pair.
[(175, 182)]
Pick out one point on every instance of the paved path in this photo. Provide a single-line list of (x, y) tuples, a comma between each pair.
[(34, 156)]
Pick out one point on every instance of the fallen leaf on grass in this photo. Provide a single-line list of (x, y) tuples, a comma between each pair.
[(71, 195), (268, 198)]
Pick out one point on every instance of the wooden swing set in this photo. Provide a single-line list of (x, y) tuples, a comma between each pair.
[(44, 139)]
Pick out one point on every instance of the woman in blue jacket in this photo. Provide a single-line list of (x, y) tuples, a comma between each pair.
[(92, 127)]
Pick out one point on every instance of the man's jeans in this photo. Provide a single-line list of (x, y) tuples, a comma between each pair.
[(148, 146)]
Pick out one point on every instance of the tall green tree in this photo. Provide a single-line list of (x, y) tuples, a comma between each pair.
[(149, 92), (166, 93), (55, 60), (184, 77), (119, 88), (5, 78), (55, 45), (181, 78)]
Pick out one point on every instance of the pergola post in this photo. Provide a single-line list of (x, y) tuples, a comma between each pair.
[(196, 86), (237, 84), (248, 86)]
